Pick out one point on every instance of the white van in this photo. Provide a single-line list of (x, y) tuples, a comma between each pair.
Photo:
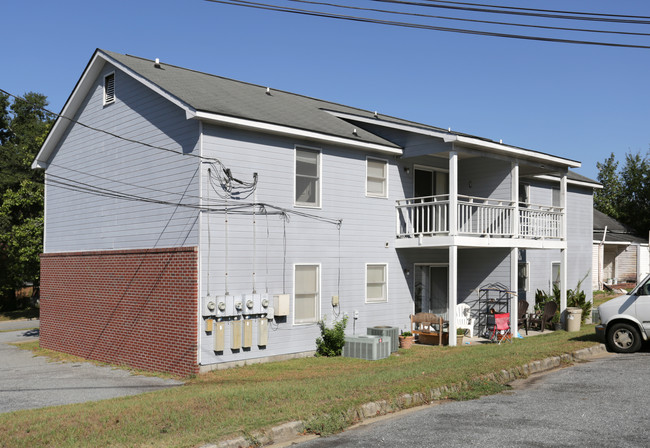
[(625, 320)]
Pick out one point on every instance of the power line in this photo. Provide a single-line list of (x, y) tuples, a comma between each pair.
[(111, 134), (313, 13), (540, 10), (567, 16), (489, 22)]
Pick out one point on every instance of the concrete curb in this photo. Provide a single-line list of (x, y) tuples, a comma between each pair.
[(290, 431)]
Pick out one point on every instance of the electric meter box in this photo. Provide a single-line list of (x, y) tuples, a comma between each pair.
[(281, 304), (251, 304), (222, 306), (238, 305), (209, 305)]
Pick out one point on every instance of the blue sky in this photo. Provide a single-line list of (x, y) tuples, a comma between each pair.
[(577, 101)]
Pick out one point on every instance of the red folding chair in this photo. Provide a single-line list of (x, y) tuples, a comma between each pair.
[(501, 330)]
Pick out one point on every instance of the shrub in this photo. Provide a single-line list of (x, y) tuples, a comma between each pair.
[(577, 298), (574, 298), (331, 340)]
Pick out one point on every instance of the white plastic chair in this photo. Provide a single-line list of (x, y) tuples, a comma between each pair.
[(464, 318)]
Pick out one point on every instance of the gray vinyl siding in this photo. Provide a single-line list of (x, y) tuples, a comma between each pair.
[(368, 226), (579, 242), (484, 177), (78, 221)]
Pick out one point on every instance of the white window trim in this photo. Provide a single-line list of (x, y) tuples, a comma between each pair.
[(385, 194), (318, 299), (524, 187), (106, 103), (526, 287), (320, 177), (385, 265), (429, 168), (553, 263)]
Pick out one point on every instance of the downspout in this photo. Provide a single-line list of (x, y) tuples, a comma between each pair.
[(601, 259), (199, 264)]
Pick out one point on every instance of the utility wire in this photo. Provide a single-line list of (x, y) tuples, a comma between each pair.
[(111, 134), (243, 208), (489, 22), (539, 10), (566, 16), (313, 13)]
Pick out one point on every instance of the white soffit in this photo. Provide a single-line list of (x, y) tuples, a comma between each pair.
[(294, 132), (580, 183), (450, 137)]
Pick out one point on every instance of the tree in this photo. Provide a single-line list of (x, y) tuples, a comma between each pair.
[(608, 199), (23, 128), (626, 192)]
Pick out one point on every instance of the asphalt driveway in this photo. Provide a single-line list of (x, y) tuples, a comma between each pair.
[(600, 403), (29, 382)]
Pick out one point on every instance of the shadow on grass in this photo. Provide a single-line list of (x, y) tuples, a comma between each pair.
[(590, 337), (27, 313)]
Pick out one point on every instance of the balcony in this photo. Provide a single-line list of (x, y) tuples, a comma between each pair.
[(426, 220)]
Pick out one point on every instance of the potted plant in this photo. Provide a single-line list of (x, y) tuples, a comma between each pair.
[(460, 332), (557, 325), (406, 340)]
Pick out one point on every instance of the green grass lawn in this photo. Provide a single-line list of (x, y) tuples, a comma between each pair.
[(227, 403)]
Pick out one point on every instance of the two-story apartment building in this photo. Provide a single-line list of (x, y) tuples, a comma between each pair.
[(194, 222)]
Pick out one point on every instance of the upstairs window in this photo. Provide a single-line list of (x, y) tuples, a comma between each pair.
[(109, 88), (307, 177), (376, 178), (524, 195)]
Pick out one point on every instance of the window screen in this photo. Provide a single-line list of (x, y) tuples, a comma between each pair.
[(306, 294), (307, 177), (376, 283), (376, 184)]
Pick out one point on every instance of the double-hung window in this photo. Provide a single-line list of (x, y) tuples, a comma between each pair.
[(307, 177), (376, 178), (376, 283), (306, 293)]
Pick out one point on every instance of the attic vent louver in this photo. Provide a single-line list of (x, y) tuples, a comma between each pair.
[(109, 88)]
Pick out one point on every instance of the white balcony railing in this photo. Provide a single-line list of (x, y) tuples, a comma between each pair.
[(429, 216)]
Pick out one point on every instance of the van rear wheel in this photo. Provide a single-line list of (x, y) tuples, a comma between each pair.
[(623, 338)]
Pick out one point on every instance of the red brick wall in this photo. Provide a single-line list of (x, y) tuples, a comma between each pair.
[(132, 307)]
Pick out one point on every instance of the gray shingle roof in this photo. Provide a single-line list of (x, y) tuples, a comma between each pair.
[(616, 231), (218, 95)]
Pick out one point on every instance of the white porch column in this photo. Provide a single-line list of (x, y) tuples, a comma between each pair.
[(453, 293), (564, 258), (514, 280), (453, 193), (514, 175)]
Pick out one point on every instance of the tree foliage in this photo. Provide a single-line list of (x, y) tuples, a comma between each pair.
[(626, 191), (24, 124)]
